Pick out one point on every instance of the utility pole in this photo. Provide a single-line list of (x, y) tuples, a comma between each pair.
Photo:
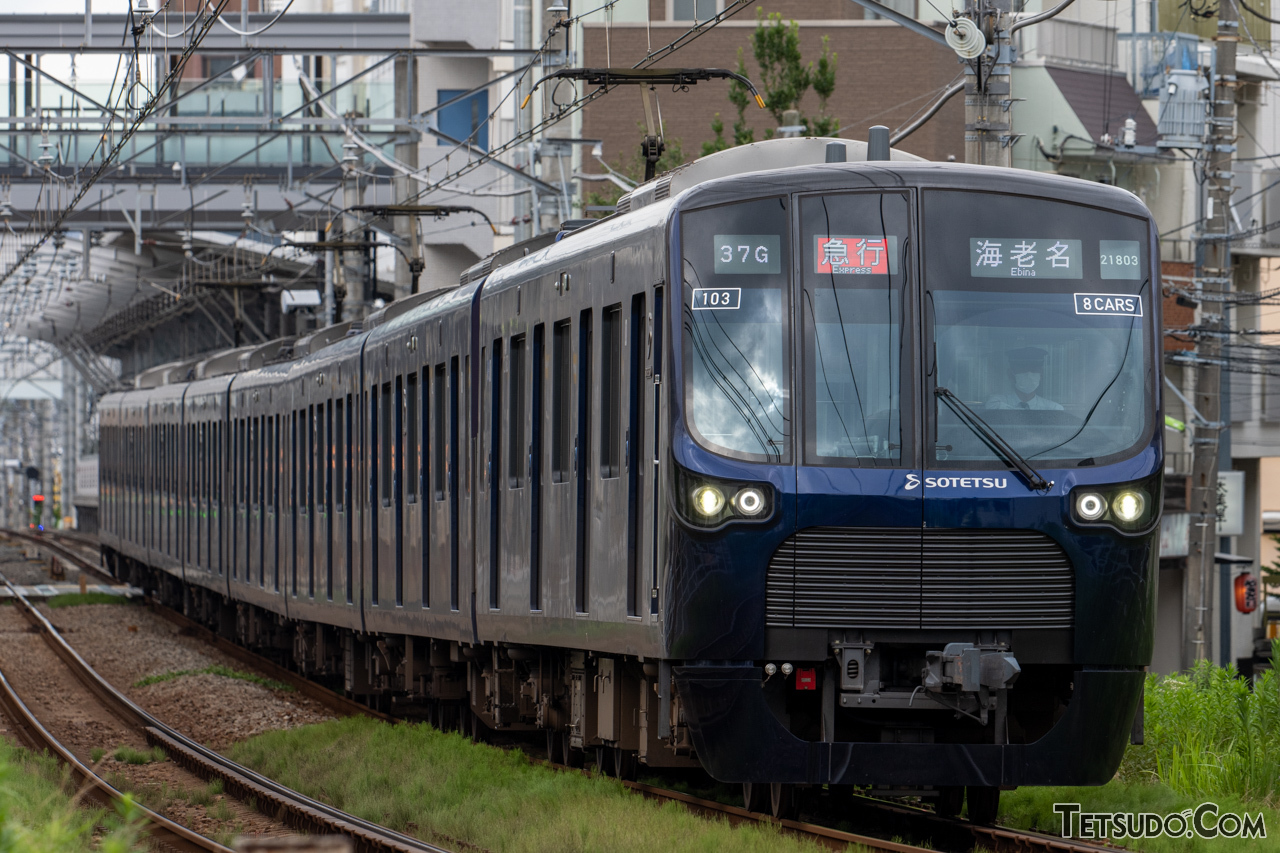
[(523, 36), (988, 137), (406, 152), (351, 262), (1213, 272)]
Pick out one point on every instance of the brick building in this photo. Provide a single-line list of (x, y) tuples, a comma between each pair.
[(885, 75)]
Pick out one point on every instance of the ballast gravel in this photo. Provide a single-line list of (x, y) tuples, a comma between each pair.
[(127, 643)]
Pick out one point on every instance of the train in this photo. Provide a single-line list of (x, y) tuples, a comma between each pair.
[(803, 468)]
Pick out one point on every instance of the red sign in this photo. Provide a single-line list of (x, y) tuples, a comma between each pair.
[(1246, 592), (806, 679), (851, 255)]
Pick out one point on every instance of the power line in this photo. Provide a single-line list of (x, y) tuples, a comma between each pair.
[(175, 73)]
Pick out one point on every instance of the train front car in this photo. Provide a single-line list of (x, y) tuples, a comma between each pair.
[(917, 477)]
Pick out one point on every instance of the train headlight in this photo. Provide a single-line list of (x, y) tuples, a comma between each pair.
[(1091, 506), (708, 500), (1128, 505), (708, 503), (749, 501)]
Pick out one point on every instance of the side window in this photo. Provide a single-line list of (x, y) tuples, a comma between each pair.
[(517, 458), (437, 464), (340, 455), (384, 438), (561, 383), (411, 472), (611, 393), (495, 416)]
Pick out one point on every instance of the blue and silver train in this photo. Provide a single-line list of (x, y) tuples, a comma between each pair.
[(806, 472)]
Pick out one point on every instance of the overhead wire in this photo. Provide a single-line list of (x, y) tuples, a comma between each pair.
[(143, 114)]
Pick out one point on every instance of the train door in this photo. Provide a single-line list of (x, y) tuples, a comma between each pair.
[(266, 556), (438, 548), (310, 475), (857, 460), (218, 488), (253, 562), (653, 498), (558, 524), (343, 510), (513, 542), (321, 537), (328, 449), (383, 419)]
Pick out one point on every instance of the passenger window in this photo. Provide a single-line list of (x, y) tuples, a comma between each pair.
[(384, 434), (340, 459), (411, 437), (611, 393), (561, 382), (517, 458), (437, 463)]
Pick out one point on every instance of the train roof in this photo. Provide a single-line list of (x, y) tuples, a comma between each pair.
[(751, 170)]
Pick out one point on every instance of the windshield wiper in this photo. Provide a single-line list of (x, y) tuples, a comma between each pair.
[(993, 438)]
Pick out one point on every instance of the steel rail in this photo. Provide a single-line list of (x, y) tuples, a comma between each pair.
[(158, 827), (330, 699), (62, 551), (287, 805)]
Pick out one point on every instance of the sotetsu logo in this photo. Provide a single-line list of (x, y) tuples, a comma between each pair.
[(958, 482)]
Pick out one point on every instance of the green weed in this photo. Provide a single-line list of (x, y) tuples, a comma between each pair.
[(38, 814), (1032, 808), (1210, 733), (220, 811), (442, 787), (95, 754), (216, 669), (129, 755)]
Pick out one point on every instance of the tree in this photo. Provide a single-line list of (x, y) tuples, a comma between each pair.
[(784, 80)]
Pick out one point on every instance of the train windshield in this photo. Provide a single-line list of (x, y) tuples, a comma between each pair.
[(1039, 314), (854, 278), (736, 272)]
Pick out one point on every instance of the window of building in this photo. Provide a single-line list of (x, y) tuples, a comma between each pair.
[(693, 10), (466, 119)]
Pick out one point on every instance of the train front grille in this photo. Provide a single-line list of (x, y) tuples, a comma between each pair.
[(848, 577)]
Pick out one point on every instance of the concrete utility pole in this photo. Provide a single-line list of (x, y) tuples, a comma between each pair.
[(406, 70), (354, 306), (988, 136), (523, 36), (1213, 272)]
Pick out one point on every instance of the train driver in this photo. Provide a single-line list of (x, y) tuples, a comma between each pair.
[(1026, 365)]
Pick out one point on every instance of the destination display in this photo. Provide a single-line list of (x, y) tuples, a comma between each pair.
[(834, 254), (1025, 257), (748, 254)]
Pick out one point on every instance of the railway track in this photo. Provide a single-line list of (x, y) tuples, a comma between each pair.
[(160, 829), (288, 806), (896, 818)]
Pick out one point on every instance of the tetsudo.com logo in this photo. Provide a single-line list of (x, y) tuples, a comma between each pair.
[(1204, 821)]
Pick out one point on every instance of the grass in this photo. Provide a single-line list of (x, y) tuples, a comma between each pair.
[(1210, 736), (38, 813), (216, 669), (129, 755), (75, 599), (443, 788)]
